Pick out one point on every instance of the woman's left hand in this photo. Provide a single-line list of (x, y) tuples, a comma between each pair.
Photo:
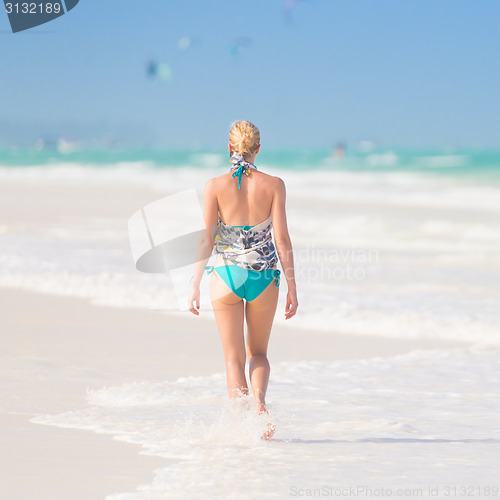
[(194, 297)]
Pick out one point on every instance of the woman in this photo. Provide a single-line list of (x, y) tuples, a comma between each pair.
[(238, 209)]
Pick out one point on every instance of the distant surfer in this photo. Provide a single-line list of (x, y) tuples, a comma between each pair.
[(339, 152)]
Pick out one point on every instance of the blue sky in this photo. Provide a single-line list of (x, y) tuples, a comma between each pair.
[(399, 72)]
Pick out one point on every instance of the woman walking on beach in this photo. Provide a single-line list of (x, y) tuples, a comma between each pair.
[(238, 209)]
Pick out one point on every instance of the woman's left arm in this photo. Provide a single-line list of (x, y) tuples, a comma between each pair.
[(205, 246)]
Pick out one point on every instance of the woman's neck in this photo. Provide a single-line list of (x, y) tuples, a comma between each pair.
[(250, 159)]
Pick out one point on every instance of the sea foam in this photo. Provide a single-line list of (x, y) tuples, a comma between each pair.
[(424, 418)]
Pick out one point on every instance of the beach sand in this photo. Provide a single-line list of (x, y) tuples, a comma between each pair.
[(54, 348)]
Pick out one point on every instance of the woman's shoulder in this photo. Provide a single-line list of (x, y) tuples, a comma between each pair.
[(217, 181), (222, 180), (271, 178), (211, 187), (276, 182)]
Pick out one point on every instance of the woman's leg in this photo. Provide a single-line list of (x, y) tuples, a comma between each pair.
[(228, 310), (260, 315)]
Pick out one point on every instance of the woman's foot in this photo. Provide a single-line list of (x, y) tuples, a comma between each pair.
[(271, 428), (269, 432), (261, 408)]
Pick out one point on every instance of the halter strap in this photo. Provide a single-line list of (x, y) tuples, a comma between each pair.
[(241, 165)]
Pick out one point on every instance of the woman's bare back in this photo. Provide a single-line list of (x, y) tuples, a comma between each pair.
[(249, 205)]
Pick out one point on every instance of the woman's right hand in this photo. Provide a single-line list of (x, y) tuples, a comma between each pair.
[(291, 303), (194, 299)]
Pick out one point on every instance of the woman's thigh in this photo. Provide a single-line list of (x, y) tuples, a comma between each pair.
[(260, 315), (229, 315)]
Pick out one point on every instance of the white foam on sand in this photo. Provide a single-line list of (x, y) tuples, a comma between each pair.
[(426, 418)]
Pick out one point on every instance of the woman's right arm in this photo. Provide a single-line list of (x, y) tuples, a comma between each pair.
[(284, 246)]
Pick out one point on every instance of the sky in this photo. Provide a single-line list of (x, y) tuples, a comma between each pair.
[(308, 73)]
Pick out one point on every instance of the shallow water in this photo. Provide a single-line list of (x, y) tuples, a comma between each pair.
[(424, 419)]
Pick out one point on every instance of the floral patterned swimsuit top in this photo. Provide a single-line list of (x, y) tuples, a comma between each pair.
[(250, 247)]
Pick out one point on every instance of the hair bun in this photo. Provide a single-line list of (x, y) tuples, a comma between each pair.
[(244, 137)]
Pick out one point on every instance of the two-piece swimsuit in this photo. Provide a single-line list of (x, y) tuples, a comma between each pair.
[(250, 249)]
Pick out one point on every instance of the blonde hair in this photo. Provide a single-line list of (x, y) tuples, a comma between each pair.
[(244, 137)]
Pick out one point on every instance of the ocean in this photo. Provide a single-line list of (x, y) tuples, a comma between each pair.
[(387, 242), (477, 165)]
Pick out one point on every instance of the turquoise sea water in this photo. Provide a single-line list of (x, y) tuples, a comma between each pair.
[(482, 165)]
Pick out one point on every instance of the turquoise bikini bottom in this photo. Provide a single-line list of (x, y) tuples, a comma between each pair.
[(246, 283)]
